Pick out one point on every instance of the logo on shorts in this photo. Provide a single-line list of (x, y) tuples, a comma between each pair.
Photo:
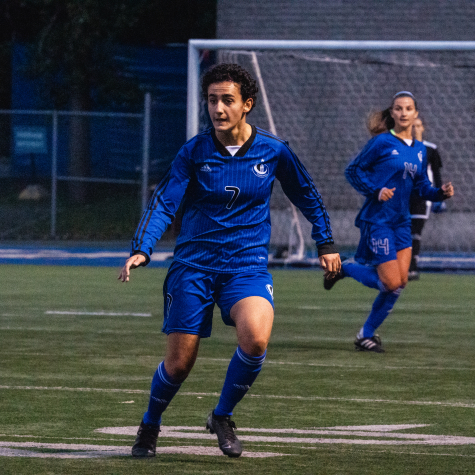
[(260, 170), (270, 290), (169, 303)]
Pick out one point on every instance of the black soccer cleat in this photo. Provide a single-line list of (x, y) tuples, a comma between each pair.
[(369, 344), (224, 428), (146, 441), (328, 283)]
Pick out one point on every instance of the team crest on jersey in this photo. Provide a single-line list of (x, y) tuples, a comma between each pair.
[(261, 170), (420, 156)]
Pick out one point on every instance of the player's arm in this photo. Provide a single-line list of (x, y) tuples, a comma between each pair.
[(426, 190), (436, 165), (302, 192), (358, 175), (159, 213)]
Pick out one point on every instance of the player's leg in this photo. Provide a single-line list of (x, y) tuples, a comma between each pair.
[(181, 353), (417, 225), (188, 307), (388, 249), (393, 275), (253, 316), (363, 267)]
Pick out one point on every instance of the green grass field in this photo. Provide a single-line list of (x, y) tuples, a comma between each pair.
[(318, 407)]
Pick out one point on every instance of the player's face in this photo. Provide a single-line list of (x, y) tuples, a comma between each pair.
[(226, 107), (418, 129), (404, 113)]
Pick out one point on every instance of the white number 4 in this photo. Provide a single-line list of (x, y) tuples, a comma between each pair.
[(381, 244)]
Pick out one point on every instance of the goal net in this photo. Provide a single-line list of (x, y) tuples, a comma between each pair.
[(318, 96)]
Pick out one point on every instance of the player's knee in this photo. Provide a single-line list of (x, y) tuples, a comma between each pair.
[(392, 284), (179, 369), (255, 347)]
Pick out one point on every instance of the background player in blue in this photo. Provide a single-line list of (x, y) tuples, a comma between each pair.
[(386, 172), (225, 175), (420, 208)]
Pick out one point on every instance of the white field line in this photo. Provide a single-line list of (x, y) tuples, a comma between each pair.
[(258, 396), (225, 361), (385, 436), (94, 451), (102, 314), (375, 435), (402, 306), (58, 254), (385, 451)]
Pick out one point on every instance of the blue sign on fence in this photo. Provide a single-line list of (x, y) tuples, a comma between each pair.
[(30, 140)]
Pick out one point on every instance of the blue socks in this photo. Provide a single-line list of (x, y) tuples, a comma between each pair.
[(162, 392), (242, 372), (383, 303), (366, 275), (382, 307)]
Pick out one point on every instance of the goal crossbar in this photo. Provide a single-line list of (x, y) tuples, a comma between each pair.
[(195, 45)]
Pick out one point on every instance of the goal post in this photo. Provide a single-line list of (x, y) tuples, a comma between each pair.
[(195, 45), (318, 94)]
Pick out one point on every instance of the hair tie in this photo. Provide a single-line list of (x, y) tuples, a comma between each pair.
[(404, 93)]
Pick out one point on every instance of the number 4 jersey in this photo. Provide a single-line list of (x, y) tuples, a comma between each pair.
[(226, 214)]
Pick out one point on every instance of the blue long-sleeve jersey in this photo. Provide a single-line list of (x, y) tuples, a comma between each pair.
[(387, 161), (226, 214)]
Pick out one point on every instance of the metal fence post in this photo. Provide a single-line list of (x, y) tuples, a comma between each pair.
[(146, 147), (54, 173)]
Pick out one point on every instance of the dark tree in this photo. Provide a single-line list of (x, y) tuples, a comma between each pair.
[(71, 44)]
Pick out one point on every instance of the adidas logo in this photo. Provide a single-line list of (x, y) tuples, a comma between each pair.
[(160, 401), (243, 387), (394, 152), (205, 168)]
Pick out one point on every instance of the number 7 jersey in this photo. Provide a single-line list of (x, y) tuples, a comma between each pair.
[(226, 214)]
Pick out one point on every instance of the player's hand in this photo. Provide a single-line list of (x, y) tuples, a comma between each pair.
[(131, 263), (331, 264), (386, 194), (448, 189)]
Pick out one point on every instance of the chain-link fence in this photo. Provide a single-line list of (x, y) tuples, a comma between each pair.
[(75, 175), (319, 100)]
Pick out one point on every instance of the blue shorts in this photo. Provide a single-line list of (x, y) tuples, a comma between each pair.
[(190, 294), (380, 244)]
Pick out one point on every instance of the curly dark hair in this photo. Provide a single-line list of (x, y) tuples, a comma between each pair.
[(233, 73)]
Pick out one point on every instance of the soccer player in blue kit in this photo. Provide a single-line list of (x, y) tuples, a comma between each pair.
[(225, 175), (386, 171)]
